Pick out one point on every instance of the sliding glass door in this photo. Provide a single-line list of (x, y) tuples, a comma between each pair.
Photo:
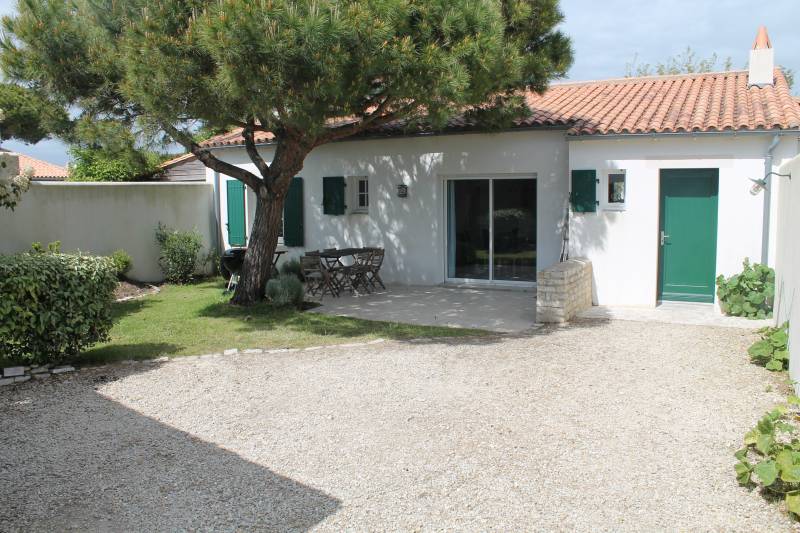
[(469, 229), (491, 229)]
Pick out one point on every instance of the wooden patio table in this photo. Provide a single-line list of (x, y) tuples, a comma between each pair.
[(333, 261)]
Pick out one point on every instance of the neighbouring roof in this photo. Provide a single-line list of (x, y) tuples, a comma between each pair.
[(183, 158), (685, 103), (42, 170)]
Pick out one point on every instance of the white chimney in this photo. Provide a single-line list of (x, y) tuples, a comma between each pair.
[(762, 60)]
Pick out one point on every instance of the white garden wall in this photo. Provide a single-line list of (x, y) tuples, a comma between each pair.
[(102, 217), (413, 229), (787, 268), (623, 246)]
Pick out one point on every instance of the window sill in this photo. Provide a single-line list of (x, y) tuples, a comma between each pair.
[(611, 207), (359, 212)]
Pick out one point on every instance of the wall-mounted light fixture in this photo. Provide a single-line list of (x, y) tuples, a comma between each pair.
[(402, 190), (760, 185)]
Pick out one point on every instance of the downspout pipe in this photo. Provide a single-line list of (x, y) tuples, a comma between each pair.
[(765, 227)]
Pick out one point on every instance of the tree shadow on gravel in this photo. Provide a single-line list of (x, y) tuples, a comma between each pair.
[(121, 352), (74, 459)]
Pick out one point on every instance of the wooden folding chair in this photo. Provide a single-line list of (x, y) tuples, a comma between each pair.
[(372, 275), (356, 273), (318, 279)]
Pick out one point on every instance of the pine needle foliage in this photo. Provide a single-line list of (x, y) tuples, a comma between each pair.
[(308, 71)]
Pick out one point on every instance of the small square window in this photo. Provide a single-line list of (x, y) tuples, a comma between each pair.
[(616, 189), (358, 194)]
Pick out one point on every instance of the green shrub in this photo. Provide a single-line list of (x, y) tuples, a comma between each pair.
[(772, 351), (292, 268), (285, 291), (122, 262), (52, 247), (770, 458), (98, 164), (179, 253), (750, 294), (53, 305)]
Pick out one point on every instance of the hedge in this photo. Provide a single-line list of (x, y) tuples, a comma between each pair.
[(53, 305)]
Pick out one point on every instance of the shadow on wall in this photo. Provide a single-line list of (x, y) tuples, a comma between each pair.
[(589, 232), (408, 249), (589, 236), (56, 473), (412, 229)]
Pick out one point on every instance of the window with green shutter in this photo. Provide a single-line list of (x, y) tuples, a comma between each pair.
[(293, 214), (333, 195), (584, 191)]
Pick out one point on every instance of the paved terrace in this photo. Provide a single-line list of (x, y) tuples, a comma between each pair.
[(507, 311)]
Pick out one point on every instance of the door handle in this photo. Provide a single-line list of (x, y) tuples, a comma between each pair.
[(664, 238)]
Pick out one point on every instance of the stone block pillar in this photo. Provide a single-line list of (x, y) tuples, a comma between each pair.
[(563, 290)]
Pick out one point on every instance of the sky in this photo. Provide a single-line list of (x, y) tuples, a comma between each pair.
[(608, 34)]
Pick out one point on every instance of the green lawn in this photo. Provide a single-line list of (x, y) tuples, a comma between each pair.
[(196, 319)]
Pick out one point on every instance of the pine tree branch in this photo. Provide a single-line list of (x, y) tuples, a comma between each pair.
[(379, 116), (205, 157), (252, 152)]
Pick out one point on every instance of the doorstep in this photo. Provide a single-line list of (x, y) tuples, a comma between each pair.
[(490, 286), (697, 314)]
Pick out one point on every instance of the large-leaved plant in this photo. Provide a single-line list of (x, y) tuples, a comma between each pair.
[(772, 351), (770, 458)]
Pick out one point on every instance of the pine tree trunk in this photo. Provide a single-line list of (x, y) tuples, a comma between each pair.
[(257, 267)]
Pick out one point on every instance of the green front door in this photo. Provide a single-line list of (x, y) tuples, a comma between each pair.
[(236, 224), (688, 234)]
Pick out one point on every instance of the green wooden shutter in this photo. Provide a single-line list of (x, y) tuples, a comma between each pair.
[(293, 214), (333, 195), (584, 191), (237, 235)]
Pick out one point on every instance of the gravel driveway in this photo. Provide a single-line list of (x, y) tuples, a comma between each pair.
[(601, 426)]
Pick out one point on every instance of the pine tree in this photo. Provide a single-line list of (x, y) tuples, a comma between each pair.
[(293, 68)]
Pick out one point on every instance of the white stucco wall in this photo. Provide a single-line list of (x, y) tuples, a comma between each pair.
[(787, 268), (99, 218), (413, 229), (624, 245)]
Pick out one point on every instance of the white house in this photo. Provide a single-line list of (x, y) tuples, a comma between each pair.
[(653, 174)]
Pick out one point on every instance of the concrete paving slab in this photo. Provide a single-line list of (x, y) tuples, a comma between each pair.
[(507, 311)]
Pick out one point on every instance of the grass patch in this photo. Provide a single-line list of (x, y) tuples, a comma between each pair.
[(197, 319)]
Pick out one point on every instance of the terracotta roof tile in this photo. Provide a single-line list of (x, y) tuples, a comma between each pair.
[(42, 170), (716, 101), (234, 138)]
